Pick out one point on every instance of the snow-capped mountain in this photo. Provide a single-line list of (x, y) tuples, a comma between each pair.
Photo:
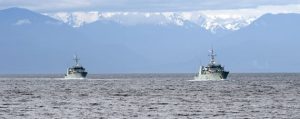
[(207, 21)]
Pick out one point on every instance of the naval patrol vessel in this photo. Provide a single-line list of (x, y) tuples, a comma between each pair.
[(76, 71), (212, 71)]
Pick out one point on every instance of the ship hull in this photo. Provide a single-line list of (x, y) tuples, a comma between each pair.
[(76, 76), (212, 76)]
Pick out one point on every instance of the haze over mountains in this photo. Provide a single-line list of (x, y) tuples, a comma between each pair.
[(32, 42)]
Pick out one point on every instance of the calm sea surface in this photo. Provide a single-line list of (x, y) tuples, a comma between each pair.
[(150, 96)]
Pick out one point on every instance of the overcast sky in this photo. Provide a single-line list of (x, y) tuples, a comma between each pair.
[(141, 5)]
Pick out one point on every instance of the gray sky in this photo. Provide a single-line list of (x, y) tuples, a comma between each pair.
[(140, 5)]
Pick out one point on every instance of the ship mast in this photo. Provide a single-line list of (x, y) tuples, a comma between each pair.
[(76, 60), (212, 56)]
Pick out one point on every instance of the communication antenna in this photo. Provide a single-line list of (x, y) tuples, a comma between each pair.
[(76, 59), (212, 56)]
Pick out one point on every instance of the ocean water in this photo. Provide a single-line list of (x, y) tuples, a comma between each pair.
[(153, 96)]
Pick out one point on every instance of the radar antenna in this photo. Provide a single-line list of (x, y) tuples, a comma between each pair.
[(76, 59), (212, 56)]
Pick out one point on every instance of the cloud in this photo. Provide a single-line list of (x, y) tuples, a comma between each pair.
[(46, 5), (141, 5), (23, 22), (274, 9)]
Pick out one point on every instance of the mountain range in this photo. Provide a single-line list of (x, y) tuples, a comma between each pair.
[(33, 42), (197, 18)]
